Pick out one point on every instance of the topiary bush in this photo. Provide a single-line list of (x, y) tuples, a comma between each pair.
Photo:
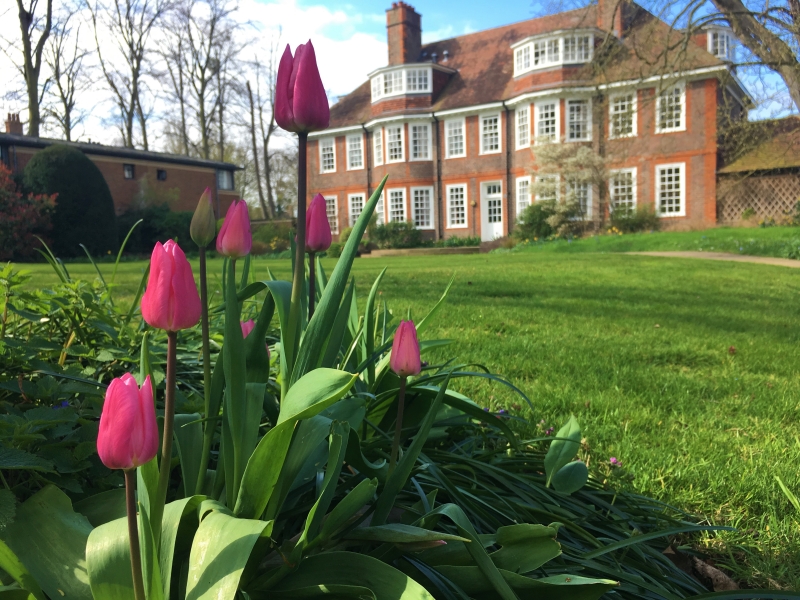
[(84, 210)]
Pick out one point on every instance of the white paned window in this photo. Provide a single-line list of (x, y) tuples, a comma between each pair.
[(327, 156), (542, 53), (546, 188), (547, 121), (622, 189), (455, 131), (377, 87), (522, 58), (490, 134), (622, 115), (539, 53), (671, 109), (422, 207), (397, 205), (394, 144), (355, 152), (580, 192), (457, 206), (578, 121), (417, 80), (553, 48), (332, 210), (523, 193), (671, 190), (380, 210), (355, 205), (578, 48), (393, 83), (720, 44), (420, 141), (377, 146), (523, 127)]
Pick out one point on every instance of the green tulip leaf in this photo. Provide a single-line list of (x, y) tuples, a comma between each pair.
[(571, 477), (189, 443), (334, 342), (349, 506), (525, 547), (319, 591), (103, 507), (563, 448), (396, 533), (14, 567)]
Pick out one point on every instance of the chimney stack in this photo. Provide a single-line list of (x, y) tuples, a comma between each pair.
[(13, 124), (404, 33)]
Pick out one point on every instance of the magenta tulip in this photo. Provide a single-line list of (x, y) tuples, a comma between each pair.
[(128, 436), (247, 327), (170, 301), (234, 239), (405, 359), (301, 104), (318, 228)]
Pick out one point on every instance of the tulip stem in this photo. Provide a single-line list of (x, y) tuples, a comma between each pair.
[(292, 336), (133, 534), (312, 294), (166, 441), (398, 428), (208, 433)]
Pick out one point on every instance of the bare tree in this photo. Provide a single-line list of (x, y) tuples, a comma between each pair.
[(130, 24), (173, 54), (30, 24), (265, 211), (69, 75)]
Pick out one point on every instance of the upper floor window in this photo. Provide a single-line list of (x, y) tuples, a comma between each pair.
[(128, 171), (547, 121), (490, 134), (420, 141), (671, 109), (622, 115), (523, 127), (578, 121), (394, 144), (548, 52), (720, 44), (327, 156), (455, 132), (355, 152), (224, 180), (161, 175), (401, 81), (377, 146)]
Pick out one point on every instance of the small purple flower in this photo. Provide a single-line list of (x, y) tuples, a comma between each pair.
[(614, 462), (502, 411), (550, 431), (62, 404), (485, 409)]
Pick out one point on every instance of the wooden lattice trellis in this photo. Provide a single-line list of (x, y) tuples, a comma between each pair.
[(763, 196)]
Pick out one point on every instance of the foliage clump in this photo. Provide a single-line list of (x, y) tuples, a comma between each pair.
[(397, 234), (23, 217), (641, 218), (159, 224)]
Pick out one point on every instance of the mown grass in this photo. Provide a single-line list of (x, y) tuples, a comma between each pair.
[(684, 370), (781, 242)]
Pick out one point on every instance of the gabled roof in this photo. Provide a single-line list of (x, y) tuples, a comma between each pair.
[(26, 141), (780, 151), (485, 70)]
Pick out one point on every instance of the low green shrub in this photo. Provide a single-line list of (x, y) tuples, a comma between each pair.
[(335, 251), (159, 224), (276, 236), (533, 223), (642, 218), (458, 241), (23, 217), (398, 234)]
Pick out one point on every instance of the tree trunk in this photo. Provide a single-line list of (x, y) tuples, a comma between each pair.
[(265, 136), (264, 211), (32, 61)]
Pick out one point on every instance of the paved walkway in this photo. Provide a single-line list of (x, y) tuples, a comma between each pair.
[(764, 260)]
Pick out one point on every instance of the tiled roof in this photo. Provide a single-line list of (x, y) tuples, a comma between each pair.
[(780, 151), (484, 61)]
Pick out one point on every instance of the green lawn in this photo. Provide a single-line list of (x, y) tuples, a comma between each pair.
[(684, 370)]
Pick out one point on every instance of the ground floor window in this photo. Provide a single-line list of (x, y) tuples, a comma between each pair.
[(622, 189), (397, 205), (580, 192), (671, 190), (523, 194), (331, 210), (356, 202), (457, 206), (422, 206)]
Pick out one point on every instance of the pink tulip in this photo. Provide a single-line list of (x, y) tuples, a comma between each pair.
[(170, 301), (405, 359), (128, 436), (234, 239), (318, 228), (247, 327), (301, 104)]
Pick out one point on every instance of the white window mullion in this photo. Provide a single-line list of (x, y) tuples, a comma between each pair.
[(523, 193), (327, 155), (332, 210), (671, 109), (523, 129), (622, 189), (397, 205), (355, 152), (490, 134), (355, 204), (377, 146), (455, 138), (457, 206), (422, 207), (395, 138), (671, 190)]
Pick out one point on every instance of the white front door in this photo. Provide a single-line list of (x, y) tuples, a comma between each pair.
[(491, 212)]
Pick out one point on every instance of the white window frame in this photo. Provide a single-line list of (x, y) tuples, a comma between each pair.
[(389, 205), (526, 111), (660, 98), (499, 118), (377, 87), (360, 138), (547, 52), (324, 142), (417, 89), (450, 224), (402, 128), (554, 176), (634, 115), (588, 136), (447, 153), (589, 194), (527, 180), (377, 146), (400, 82), (681, 190), (429, 189), (350, 197), (634, 187), (728, 40), (557, 135), (380, 209), (335, 224), (428, 151)]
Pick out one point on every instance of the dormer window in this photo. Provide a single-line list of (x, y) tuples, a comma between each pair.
[(540, 53), (720, 44), (401, 81)]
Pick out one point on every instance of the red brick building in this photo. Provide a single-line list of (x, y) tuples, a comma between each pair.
[(456, 123), (181, 179)]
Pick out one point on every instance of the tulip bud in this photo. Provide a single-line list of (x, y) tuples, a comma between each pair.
[(247, 327), (204, 225), (128, 435), (234, 239), (170, 301), (318, 228), (405, 359), (301, 104)]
